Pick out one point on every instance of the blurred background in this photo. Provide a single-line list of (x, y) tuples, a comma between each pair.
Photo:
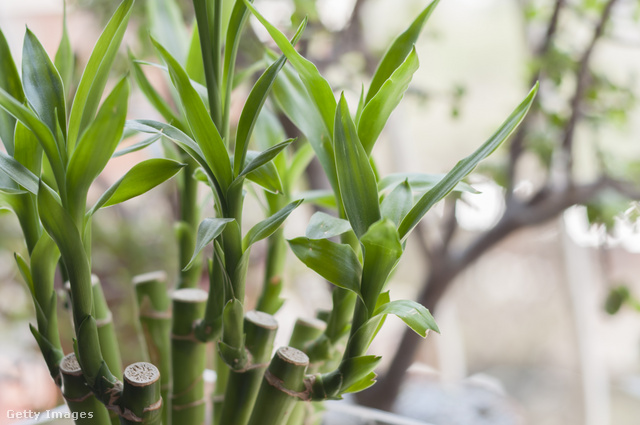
[(534, 281)]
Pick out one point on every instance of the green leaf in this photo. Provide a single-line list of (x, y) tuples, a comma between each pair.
[(185, 142), (360, 385), (465, 166), (337, 263), (234, 30), (95, 75), (299, 163), (28, 151), (232, 320), (137, 146), (264, 157), (194, 65), (293, 99), (10, 82), (251, 111), (199, 88), (360, 106), (266, 227), (266, 175), (324, 226), (19, 173), (209, 229), (150, 92), (97, 145), (143, 177), (379, 109), (398, 51), (25, 271), (43, 85), (64, 59), (317, 87), (415, 315), (202, 127), (398, 203), (321, 198), (420, 182), (357, 368), (358, 187), (166, 26), (44, 260), (42, 132), (254, 104), (269, 131), (381, 251)]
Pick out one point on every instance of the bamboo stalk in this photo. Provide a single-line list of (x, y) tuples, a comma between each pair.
[(84, 406), (270, 301), (141, 400), (154, 311), (187, 227), (243, 385), (106, 330), (283, 385), (305, 331), (222, 377), (188, 358), (107, 341)]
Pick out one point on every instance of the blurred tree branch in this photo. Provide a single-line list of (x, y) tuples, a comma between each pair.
[(446, 261)]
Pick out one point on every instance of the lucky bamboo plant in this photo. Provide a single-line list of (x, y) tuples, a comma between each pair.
[(373, 217), (53, 154)]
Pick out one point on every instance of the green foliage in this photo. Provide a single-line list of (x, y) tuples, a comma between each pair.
[(465, 166), (373, 216), (356, 179)]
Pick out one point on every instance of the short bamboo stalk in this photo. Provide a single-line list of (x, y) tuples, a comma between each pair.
[(154, 311), (283, 385), (83, 405), (141, 401), (188, 358), (305, 331), (243, 385), (108, 341)]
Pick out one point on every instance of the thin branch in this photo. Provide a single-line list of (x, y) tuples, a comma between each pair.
[(517, 144), (582, 83)]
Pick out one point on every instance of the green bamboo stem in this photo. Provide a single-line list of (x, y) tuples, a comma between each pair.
[(283, 385), (188, 358), (154, 311), (222, 377), (141, 401), (325, 349), (106, 330), (243, 385), (207, 17), (270, 301), (304, 332), (188, 226), (83, 405), (210, 326)]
